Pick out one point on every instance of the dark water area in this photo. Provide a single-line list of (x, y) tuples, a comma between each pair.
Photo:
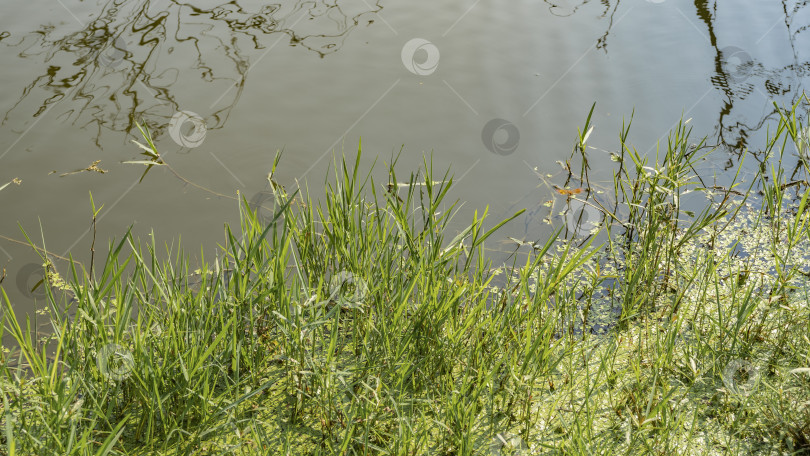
[(493, 90)]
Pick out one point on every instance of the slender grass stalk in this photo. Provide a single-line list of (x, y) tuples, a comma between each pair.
[(360, 323)]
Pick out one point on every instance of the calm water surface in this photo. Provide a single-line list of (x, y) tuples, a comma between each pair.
[(312, 78)]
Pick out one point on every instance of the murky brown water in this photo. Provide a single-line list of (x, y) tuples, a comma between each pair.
[(492, 88)]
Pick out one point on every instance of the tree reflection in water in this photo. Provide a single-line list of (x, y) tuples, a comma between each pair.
[(565, 8), (132, 60), (138, 59), (754, 67)]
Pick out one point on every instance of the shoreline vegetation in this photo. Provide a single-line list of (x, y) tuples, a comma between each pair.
[(356, 324)]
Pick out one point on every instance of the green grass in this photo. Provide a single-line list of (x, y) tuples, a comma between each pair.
[(358, 324)]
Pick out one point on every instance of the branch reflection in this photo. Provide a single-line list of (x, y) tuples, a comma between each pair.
[(755, 67), (138, 60)]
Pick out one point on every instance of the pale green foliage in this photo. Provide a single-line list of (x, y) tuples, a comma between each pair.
[(353, 325)]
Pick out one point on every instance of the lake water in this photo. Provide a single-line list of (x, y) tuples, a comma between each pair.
[(493, 89)]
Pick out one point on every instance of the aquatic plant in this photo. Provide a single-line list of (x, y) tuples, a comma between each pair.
[(359, 324)]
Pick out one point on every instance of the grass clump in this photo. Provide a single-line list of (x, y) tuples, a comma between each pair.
[(356, 325)]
